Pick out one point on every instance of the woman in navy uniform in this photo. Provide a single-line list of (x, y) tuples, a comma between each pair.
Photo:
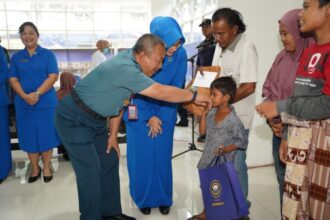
[(150, 137), (5, 154), (33, 73)]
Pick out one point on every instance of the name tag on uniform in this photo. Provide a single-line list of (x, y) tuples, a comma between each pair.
[(132, 112)]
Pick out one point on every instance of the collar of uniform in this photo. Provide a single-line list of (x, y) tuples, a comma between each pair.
[(131, 54), (233, 44), (37, 51)]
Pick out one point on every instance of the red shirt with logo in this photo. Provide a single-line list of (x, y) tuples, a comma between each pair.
[(313, 74), (311, 99)]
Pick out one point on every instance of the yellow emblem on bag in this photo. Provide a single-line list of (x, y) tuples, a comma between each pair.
[(215, 189)]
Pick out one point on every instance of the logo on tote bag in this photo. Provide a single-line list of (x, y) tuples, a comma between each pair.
[(216, 190)]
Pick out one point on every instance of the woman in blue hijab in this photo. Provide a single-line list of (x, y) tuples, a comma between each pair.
[(150, 136)]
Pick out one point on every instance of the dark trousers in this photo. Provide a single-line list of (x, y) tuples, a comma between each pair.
[(97, 172), (242, 169), (183, 113), (279, 166)]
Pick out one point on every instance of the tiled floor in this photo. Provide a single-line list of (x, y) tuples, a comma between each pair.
[(57, 200)]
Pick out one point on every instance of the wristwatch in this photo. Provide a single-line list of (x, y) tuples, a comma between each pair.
[(38, 93), (194, 96)]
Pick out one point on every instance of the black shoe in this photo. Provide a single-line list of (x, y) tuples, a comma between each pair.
[(1, 180), (145, 211), (66, 156), (201, 138), (122, 139), (118, 217), (164, 209), (47, 179), (32, 179), (182, 124), (245, 218)]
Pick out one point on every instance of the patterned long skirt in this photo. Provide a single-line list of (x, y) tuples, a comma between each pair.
[(307, 185)]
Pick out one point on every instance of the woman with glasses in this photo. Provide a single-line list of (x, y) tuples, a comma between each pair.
[(150, 134)]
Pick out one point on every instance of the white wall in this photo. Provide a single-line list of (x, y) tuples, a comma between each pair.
[(261, 18)]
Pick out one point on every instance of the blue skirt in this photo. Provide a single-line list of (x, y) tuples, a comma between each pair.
[(35, 129), (5, 148), (149, 165)]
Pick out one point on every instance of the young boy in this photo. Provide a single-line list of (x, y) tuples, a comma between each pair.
[(307, 181), (225, 131)]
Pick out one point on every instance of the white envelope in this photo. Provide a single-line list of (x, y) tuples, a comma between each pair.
[(204, 79)]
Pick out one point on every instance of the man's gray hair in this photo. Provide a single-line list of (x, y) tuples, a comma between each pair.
[(146, 43)]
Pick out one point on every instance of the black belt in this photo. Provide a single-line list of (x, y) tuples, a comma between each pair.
[(85, 108)]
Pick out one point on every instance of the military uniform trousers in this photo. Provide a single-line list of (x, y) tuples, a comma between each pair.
[(85, 138)]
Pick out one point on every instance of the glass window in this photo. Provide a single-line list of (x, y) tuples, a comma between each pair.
[(129, 38), (186, 29), (197, 7), (76, 25), (4, 39), (15, 42), (134, 21), (112, 36), (80, 39), (51, 21), (210, 5), (185, 12), (176, 13), (197, 34), (80, 20), (53, 39), (47, 6), (81, 7), (102, 7), (3, 25), (19, 6), (107, 21), (133, 8), (16, 18)]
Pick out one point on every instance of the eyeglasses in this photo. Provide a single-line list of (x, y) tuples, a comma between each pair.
[(177, 44)]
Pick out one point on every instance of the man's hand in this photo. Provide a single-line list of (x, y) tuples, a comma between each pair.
[(203, 100), (113, 144), (205, 111), (283, 151), (267, 109), (155, 125)]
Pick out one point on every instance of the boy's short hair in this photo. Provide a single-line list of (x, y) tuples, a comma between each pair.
[(226, 85)]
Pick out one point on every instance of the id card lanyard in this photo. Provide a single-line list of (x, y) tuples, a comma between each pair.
[(132, 110)]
